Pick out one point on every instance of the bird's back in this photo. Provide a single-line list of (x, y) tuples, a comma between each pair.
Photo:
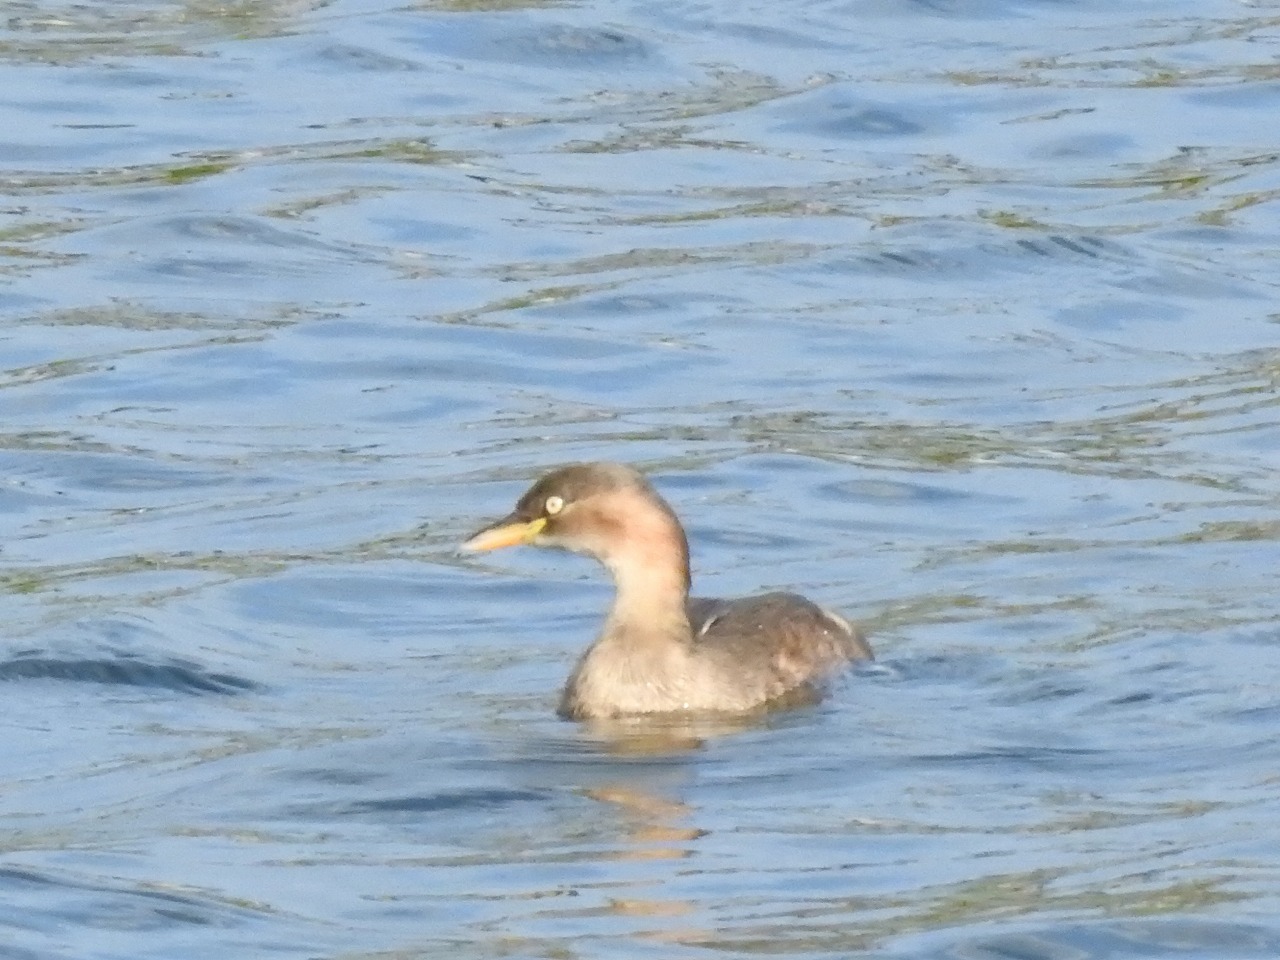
[(776, 643)]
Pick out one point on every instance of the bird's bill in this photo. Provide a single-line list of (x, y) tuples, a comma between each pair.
[(507, 532)]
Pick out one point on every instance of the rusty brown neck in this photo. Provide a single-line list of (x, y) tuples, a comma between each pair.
[(649, 563)]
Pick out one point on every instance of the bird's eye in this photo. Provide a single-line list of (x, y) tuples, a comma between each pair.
[(553, 505)]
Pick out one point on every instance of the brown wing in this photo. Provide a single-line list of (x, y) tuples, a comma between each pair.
[(781, 639)]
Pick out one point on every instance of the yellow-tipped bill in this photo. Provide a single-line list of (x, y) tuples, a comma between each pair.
[(505, 533)]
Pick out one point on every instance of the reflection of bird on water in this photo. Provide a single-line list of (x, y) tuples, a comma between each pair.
[(662, 651)]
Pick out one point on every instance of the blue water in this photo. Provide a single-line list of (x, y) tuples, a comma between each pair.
[(958, 316)]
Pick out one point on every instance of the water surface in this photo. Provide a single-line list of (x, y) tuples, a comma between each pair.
[(958, 316)]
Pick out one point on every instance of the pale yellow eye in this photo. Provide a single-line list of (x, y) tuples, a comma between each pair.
[(553, 505)]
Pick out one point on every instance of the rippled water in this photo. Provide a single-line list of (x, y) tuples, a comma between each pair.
[(958, 315)]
